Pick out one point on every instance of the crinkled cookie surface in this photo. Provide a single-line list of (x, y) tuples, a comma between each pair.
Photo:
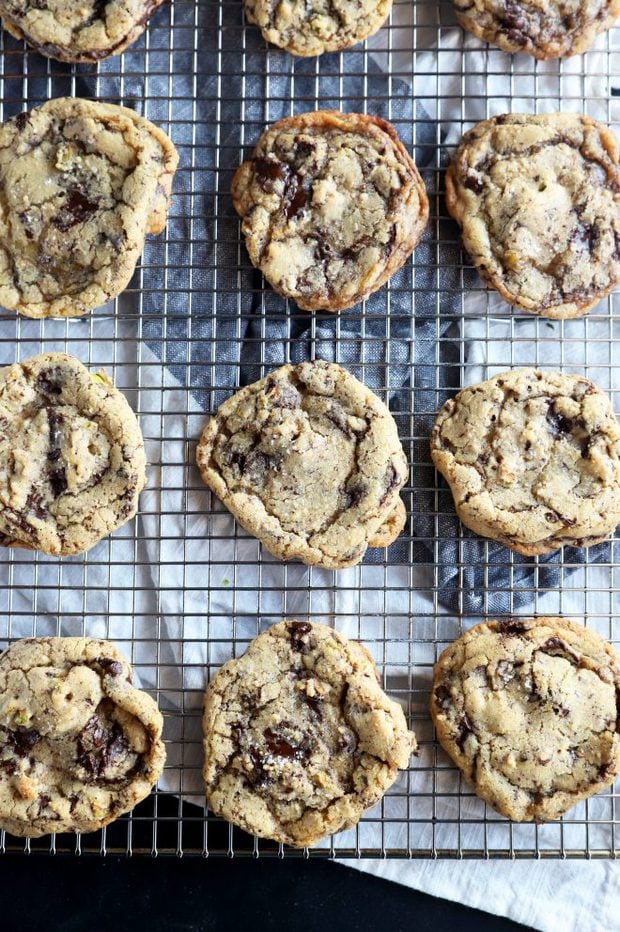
[(79, 745), (311, 27), (81, 184), (309, 461), (72, 461), (528, 710), (299, 737), (538, 202), (332, 205), (77, 30), (532, 459)]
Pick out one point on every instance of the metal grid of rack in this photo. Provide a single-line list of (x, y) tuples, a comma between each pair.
[(182, 588)]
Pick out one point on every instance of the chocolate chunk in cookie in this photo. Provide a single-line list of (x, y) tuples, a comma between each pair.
[(81, 183), (79, 744), (554, 29), (299, 737), (77, 30), (72, 460), (532, 459), (531, 719), (332, 205), (311, 27), (538, 202), (309, 461)]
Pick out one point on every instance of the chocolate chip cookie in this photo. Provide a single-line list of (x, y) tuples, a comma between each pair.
[(77, 30), (538, 202), (81, 184), (554, 29), (332, 205), (72, 461), (311, 27), (528, 710), (532, 459), (309, 461), (299, 737), (79, 745)]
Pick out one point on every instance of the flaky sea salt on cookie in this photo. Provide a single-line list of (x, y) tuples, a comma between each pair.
[(309, 461), (81, 184), (299, 737)]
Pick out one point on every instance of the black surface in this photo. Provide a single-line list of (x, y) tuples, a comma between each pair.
[(70, 894)]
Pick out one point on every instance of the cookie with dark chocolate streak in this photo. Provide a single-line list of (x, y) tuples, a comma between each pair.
[(332, 205), (299, 737), (311, 27), (72, 461), (79, 744), (532, 459), (81, 184), (553, 29), (538, 202), (77, 30), (309, 461), (530, 715)]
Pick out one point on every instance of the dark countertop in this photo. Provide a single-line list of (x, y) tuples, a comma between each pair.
[(70, 894)]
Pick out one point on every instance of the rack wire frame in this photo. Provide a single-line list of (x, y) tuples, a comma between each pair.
[(182, 588)]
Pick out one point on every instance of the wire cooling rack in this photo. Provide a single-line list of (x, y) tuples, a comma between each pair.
[(182, 588)]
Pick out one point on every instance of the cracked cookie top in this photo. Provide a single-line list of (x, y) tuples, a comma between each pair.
[(299, 737), (81, 184), (532, 459), (553, 29), (77, 30), (528, 710), (311, 28), (309, 461), (79, 745), (72, 461), (538, 202), (332, 205)]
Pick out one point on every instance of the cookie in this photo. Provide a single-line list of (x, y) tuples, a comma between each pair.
[(77, 30), (72, 461), (299, 737), (308, 460), (332, 205), (81, 184), (528, 711), (538, 202), (555, 29), (311, 28), (79, 745), (532, 460)]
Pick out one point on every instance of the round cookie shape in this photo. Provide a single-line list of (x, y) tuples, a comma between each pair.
[(308, 460), (532, 460), (332, 205), (79, 744), (72, 461), (311, 28), (538, 202), (528, 711), (77, 30), (555, 29), (299, 737), (81, 185)]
